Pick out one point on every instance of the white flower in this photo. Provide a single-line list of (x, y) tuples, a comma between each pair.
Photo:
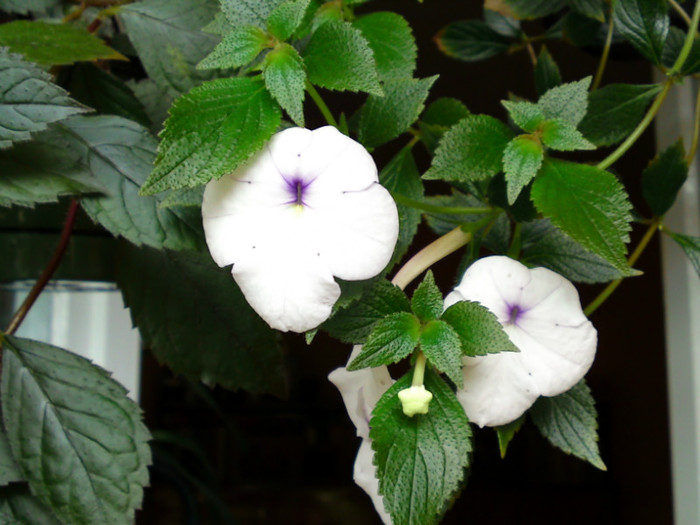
[(541, 313), (361, 390), (306, 208)]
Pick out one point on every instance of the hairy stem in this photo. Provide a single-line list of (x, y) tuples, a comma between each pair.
[(316, 97), (689, 40), (434, 208), (603, 56)]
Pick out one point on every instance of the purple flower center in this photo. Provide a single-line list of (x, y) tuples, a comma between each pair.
[(296, 186), (514, 313)]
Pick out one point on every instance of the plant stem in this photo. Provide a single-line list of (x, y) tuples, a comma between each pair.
[(604, 56), (678, 9), (75, 14), (689, 40), (434, 208), (612, 286), (696, 131), (419, 369), (316, 97), (531, 53), (641, 127), (48, 272)]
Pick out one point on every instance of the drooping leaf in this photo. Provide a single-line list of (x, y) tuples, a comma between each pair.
[(567, 102), (569, 422), (19, 507), (442, 346), (426, 301), (238, 48), (664, 177), (392, 339), (691, 247), (588, 204), (391, 39), (644, 23), (248, 12), (561, 135), (534, 8), (478, 329), (522, 160), (25, 6), (506, 433), (286, 18), (594, 9), (285, 78), (615, 110), (383, 118), (547, 75), (74, 432), (9, 470), (471, 41), (195, 319), (211, 131), (29, 100), (420, 460)]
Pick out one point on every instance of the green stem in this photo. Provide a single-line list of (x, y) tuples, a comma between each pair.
[(678, 9), (516, 242), (689, 40), (604, 56), (419, 370), (641, 127), (434, 208), (311, 90), (696, 131)]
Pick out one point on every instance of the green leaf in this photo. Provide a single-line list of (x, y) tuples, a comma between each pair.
[(19, 507), (526, 115), (196, 320), (584, 32), (691, 247), (25, 6), (187, 197), (285, 79), (218, 26), (392, 339), (391, 39), (522, 160), (569, 422), (168, 39), (248, 12), (384, 118), (522, 210), (471, 150), (664, 177), (75, 434), (588, 204), (212, 130), (547, 75), (54, 44), (534, 8), (503, 24), (561, 135), (426, 302), (339, 57), (615, 110), (355, 322), (155, 99), (644, 23), (29, 101), (238, 48), (471, 41), (420, 460), (594, 9), (672, 48), (445, 112), (442, 346), (545, 245), (9, 470), (567, 102), (507, 432), (286, 18), (478, 329)]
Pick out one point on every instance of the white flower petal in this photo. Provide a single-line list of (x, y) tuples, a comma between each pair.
[(365, 475)]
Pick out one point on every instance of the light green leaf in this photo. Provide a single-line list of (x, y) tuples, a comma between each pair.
[(391, 39), (75, 434), (19, 507), (168, 38), (339, 57), (384, 118), (237, 49), (561, 135), (392, 339), (471, 150), (526, 115), (522, 160), (567, 102), (594, 9), (29, 100), (478, 329), (691, 247), (187, 197), (25, 6), (248, 12), (9, 470), (286, 18), (426, 302), (420, 460), (664, 177), (285, 79), (547, 75), (534, 8), (644, 23), (569, 422), (211, 131), (507, 432), (442, 346), (615, 110), (195, 319), (588, 204), (471, 41)]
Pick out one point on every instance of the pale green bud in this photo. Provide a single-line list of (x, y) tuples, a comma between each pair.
[(415, 400)]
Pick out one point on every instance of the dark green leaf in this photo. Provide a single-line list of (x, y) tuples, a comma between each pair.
[(615, 110), (25, 6), (644, 23), (588, 204), (534, 8), (76, 435), (383, 118), (285, 79), (471, 40), (691, 247), (155, 99), (9, 470), (547, 75), (522, 159), (426, 302), (583, 31), (339, 57), (391, 39), (526, 115), (568, 421), (502, 24), (471, 150), (420, 460), (196, 320), (442, 346), (286, 17), (392, 339), (567, 102), (561, 135), (19, 507), (211, 131), (594, 9), (218, 26), (522, 210), (478, 329), (445, 112), (672, 48), (663, 178), (29, 100), (248, 12), (507, 432), (238, 48)]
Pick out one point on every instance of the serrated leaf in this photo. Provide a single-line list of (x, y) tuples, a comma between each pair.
[(285, 79), (567, 102), (691, 247), (168, 39), (339, 57), (248, 12), (195, 319), (526, 115), (76, 435), (615, 110), (211, 131), (522, 160), (19, 507), (644, 23), (187, 197), (471, 41), (672, 48), (478, 329), (561, 135), (506, 433), (445, 112), (471, 150), (384, 118), (588, 204), (391, 39), (392, 339), (238, 48), (29, 100), (443, 347), (286, 17), (569, 422), (218, 26), (547, 75), (420, 460), (594, 9), (534, 8), (9, 470), (25, 6), (664, 177), (426, 302)]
